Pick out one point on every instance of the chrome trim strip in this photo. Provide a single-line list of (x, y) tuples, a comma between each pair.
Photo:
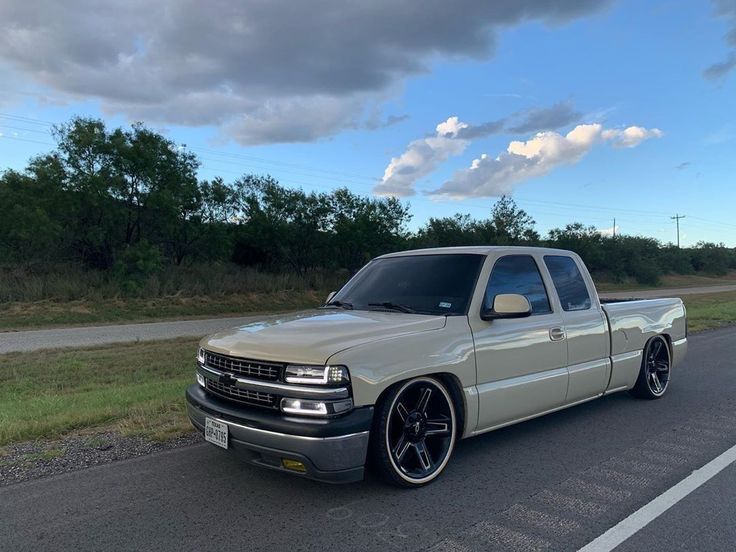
[(296, 391), (289, 435)]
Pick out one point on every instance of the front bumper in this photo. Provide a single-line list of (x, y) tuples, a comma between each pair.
[(332, 450)]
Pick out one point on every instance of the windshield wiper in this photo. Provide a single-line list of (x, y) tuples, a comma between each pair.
[(339, 305), (393, 306)]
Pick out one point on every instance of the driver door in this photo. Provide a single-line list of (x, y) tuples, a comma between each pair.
[(521, 362)]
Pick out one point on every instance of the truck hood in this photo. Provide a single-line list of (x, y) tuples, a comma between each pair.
[(312, 337)]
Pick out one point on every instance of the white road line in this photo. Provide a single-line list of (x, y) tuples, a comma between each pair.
[(639, 519)]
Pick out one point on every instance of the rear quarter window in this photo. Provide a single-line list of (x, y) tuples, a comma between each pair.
[(568, 282)]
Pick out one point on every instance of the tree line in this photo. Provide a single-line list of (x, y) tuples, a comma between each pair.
[(128, 202)]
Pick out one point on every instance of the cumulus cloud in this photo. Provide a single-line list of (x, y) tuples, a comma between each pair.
[(725, 9), (421, 158), (538, 156), (630, 137), (451, 138), (249, 66)]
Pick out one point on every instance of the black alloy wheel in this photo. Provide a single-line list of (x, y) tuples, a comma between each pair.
[(654, 375), (417, 432)]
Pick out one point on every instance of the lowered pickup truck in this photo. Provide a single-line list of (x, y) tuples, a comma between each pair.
[(420, 349)]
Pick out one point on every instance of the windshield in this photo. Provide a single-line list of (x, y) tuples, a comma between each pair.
[(425, 284)]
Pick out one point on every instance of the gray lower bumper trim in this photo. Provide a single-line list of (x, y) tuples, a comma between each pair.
[(338, 459)]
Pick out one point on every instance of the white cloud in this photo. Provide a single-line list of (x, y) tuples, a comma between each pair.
[(538, 156), (630, 137), (611, 231), (421, 158)]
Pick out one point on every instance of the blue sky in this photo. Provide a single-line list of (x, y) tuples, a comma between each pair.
[(613, 64)]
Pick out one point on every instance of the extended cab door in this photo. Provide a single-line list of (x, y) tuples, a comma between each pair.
[(586, 330), (521, 362)]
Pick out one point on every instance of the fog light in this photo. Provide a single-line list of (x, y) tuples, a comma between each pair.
[(306, 407), (293, 465), (200, 379), (303, 406)]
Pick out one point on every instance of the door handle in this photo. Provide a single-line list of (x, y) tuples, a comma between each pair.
[(557, 334)]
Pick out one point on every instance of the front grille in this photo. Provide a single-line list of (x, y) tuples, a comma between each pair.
[(257, 398), (256, 369)]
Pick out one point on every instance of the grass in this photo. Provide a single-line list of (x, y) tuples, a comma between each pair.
[(669, 281), (45, 314), (713, 310), (136, 389)]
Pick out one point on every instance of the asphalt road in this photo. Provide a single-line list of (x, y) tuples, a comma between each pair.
[(554, 483), (89, 336)]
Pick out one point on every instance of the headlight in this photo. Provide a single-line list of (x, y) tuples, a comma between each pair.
[(308, 407), (200, 355), (317, 375)]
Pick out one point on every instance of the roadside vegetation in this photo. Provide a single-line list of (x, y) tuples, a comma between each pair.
[(135, 389), (709, 311), (114, 225)]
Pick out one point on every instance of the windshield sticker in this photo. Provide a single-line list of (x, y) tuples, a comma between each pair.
[(445, 305)]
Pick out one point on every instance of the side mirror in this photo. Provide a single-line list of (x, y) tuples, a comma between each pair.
[(507, 305), (330, 296)]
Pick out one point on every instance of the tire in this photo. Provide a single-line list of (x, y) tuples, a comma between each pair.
[(414, 434), (654, 374)]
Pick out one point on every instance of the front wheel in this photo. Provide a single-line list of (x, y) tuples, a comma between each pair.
[(654, 374), (415, 432)]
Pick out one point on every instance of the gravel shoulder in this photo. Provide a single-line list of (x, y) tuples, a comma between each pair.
[(43, 458)]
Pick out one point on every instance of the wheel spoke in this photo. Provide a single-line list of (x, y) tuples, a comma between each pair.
[(401, 447), (401, 410), (424, 400), (656, 348), (423, 455), (662, 366), (656, 382), (437, 427)]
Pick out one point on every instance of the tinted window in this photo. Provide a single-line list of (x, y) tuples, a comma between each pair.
[(568, 282), (518, 274), (428, 284)]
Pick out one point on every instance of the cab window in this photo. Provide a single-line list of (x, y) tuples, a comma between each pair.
[(518, 274), (569, 283)]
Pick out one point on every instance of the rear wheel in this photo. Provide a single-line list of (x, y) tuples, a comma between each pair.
[(654, 375), (415, 432)]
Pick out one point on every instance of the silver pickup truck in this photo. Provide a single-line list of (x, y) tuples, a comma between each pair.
[(420, 349)]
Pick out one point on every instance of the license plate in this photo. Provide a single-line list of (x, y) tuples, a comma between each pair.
[(215, 432)]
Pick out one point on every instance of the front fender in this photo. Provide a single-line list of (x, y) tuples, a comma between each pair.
[(375, 366)]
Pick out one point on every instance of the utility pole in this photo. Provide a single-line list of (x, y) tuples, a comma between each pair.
[(677, 218), (614, 227)]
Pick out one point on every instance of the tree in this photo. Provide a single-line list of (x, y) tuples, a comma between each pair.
[(363, 227), (512, 224)]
